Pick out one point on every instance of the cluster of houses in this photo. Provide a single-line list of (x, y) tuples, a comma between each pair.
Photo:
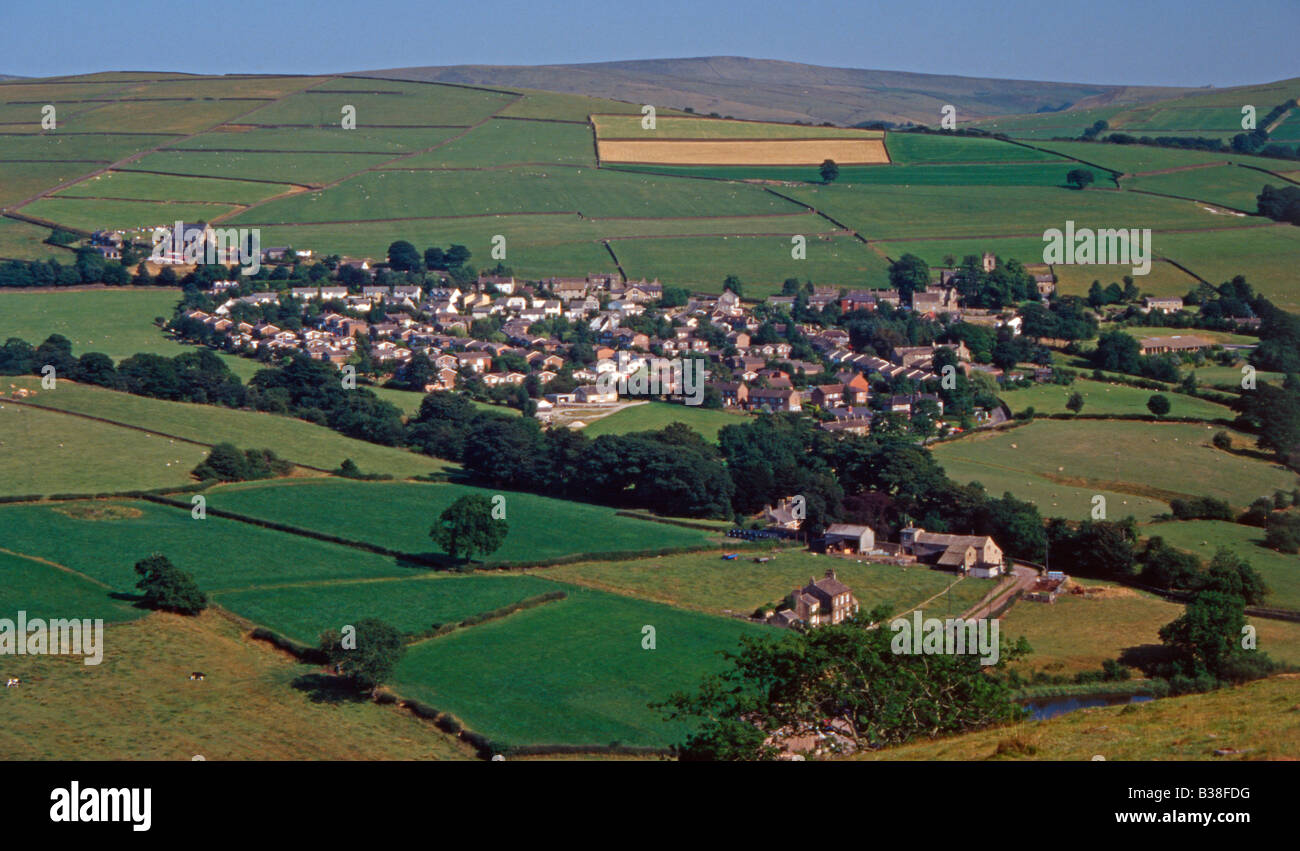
[(829, 601)]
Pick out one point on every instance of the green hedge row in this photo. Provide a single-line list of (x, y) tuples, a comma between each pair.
[(482, 617)]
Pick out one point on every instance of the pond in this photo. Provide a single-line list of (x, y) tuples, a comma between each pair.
[(1049, 707)]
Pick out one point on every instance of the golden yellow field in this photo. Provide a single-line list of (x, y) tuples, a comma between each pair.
[(742, 151)]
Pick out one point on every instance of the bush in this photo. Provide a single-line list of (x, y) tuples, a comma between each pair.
[(1222, 440), (167, 588)]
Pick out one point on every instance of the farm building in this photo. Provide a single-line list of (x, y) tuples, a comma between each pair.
[(977, 555), (821, 601), (1176, 343), (849, 538)]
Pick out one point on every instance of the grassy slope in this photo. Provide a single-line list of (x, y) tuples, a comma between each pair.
[(140, 704), (296, 440), (655, 415), (1181, 728), (707, 583), (1102, 398), (399, 515), (1281, 572)]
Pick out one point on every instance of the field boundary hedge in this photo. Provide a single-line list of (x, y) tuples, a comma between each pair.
[(491, 615)]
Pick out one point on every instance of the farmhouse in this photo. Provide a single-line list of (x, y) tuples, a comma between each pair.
[(1176, 343), (977, 555), (821, 601), (1163, 304)]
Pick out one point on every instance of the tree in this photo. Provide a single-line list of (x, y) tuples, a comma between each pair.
[(829, 171), (403, 257), (167, 588), (847, 674), (1075, 402), (1206, 640), (1158, 404), (908, 274), (366, 654), (467, 528), (1080, 178)]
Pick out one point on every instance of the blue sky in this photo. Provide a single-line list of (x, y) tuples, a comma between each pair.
[(1153, 42)]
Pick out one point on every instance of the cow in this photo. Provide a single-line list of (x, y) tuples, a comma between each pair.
[(12, 682), (197, 675)]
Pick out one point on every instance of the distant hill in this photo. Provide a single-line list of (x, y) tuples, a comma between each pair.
[(771, 90)]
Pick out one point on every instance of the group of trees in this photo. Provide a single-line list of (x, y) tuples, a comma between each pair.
[(88, 266), (1280, 205), (226, 463)]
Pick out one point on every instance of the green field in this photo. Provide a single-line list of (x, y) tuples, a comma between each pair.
[(707, 583), (1048, 124), (297, 440), (629, 127), (399, 515), (412, 104), (1138, 459), (887, 213), (525, 189), (19, 181), (1135, 159), (48, 453), (91, 214), (1104, 398), (1164, 278), (44, 591), (761, 262), (220, 554), (1265, 255), (306, 168), (157, 116), (139, 703), (571, 672), (102, 147), (914, 148), (656, 415), (303, 611), (23, 240), (938, 174), (140, 186), (1281, 572), (393, 141), (502, 142), (1230, 186)]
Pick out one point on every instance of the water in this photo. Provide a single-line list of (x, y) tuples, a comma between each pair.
[(1050, 707)]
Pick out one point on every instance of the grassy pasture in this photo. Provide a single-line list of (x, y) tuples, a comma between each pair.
[(913, 148), (141, 186), (526, 189), (1164, 278), (117, 322), (1267, 256), (656, 415), (19, 181), (48, 453), (399, 515), (245, 137), (1281, 571), (222, 87), (629, 127), (812, 152), (706, 583), (157, 116), (103, 147), (501, 142), (944, 174), (302, 612), (1103, 398), (967, 211), (1143, 459), (19, 239), (296, 440), (219, 554), (140, 704), (1134, 159), (92, 214), (1175, 728), (417, 104), (44, 591), (761, 262), (1047, 124), (566, 107), (1178, 120), (1227, 185), (571, 672), (305, 167), (1052, 498)]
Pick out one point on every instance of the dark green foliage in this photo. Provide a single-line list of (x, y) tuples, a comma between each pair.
[(468, 527), (168, 588), (366, 654)]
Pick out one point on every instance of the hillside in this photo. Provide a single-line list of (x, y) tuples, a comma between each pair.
[(771, 90)]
